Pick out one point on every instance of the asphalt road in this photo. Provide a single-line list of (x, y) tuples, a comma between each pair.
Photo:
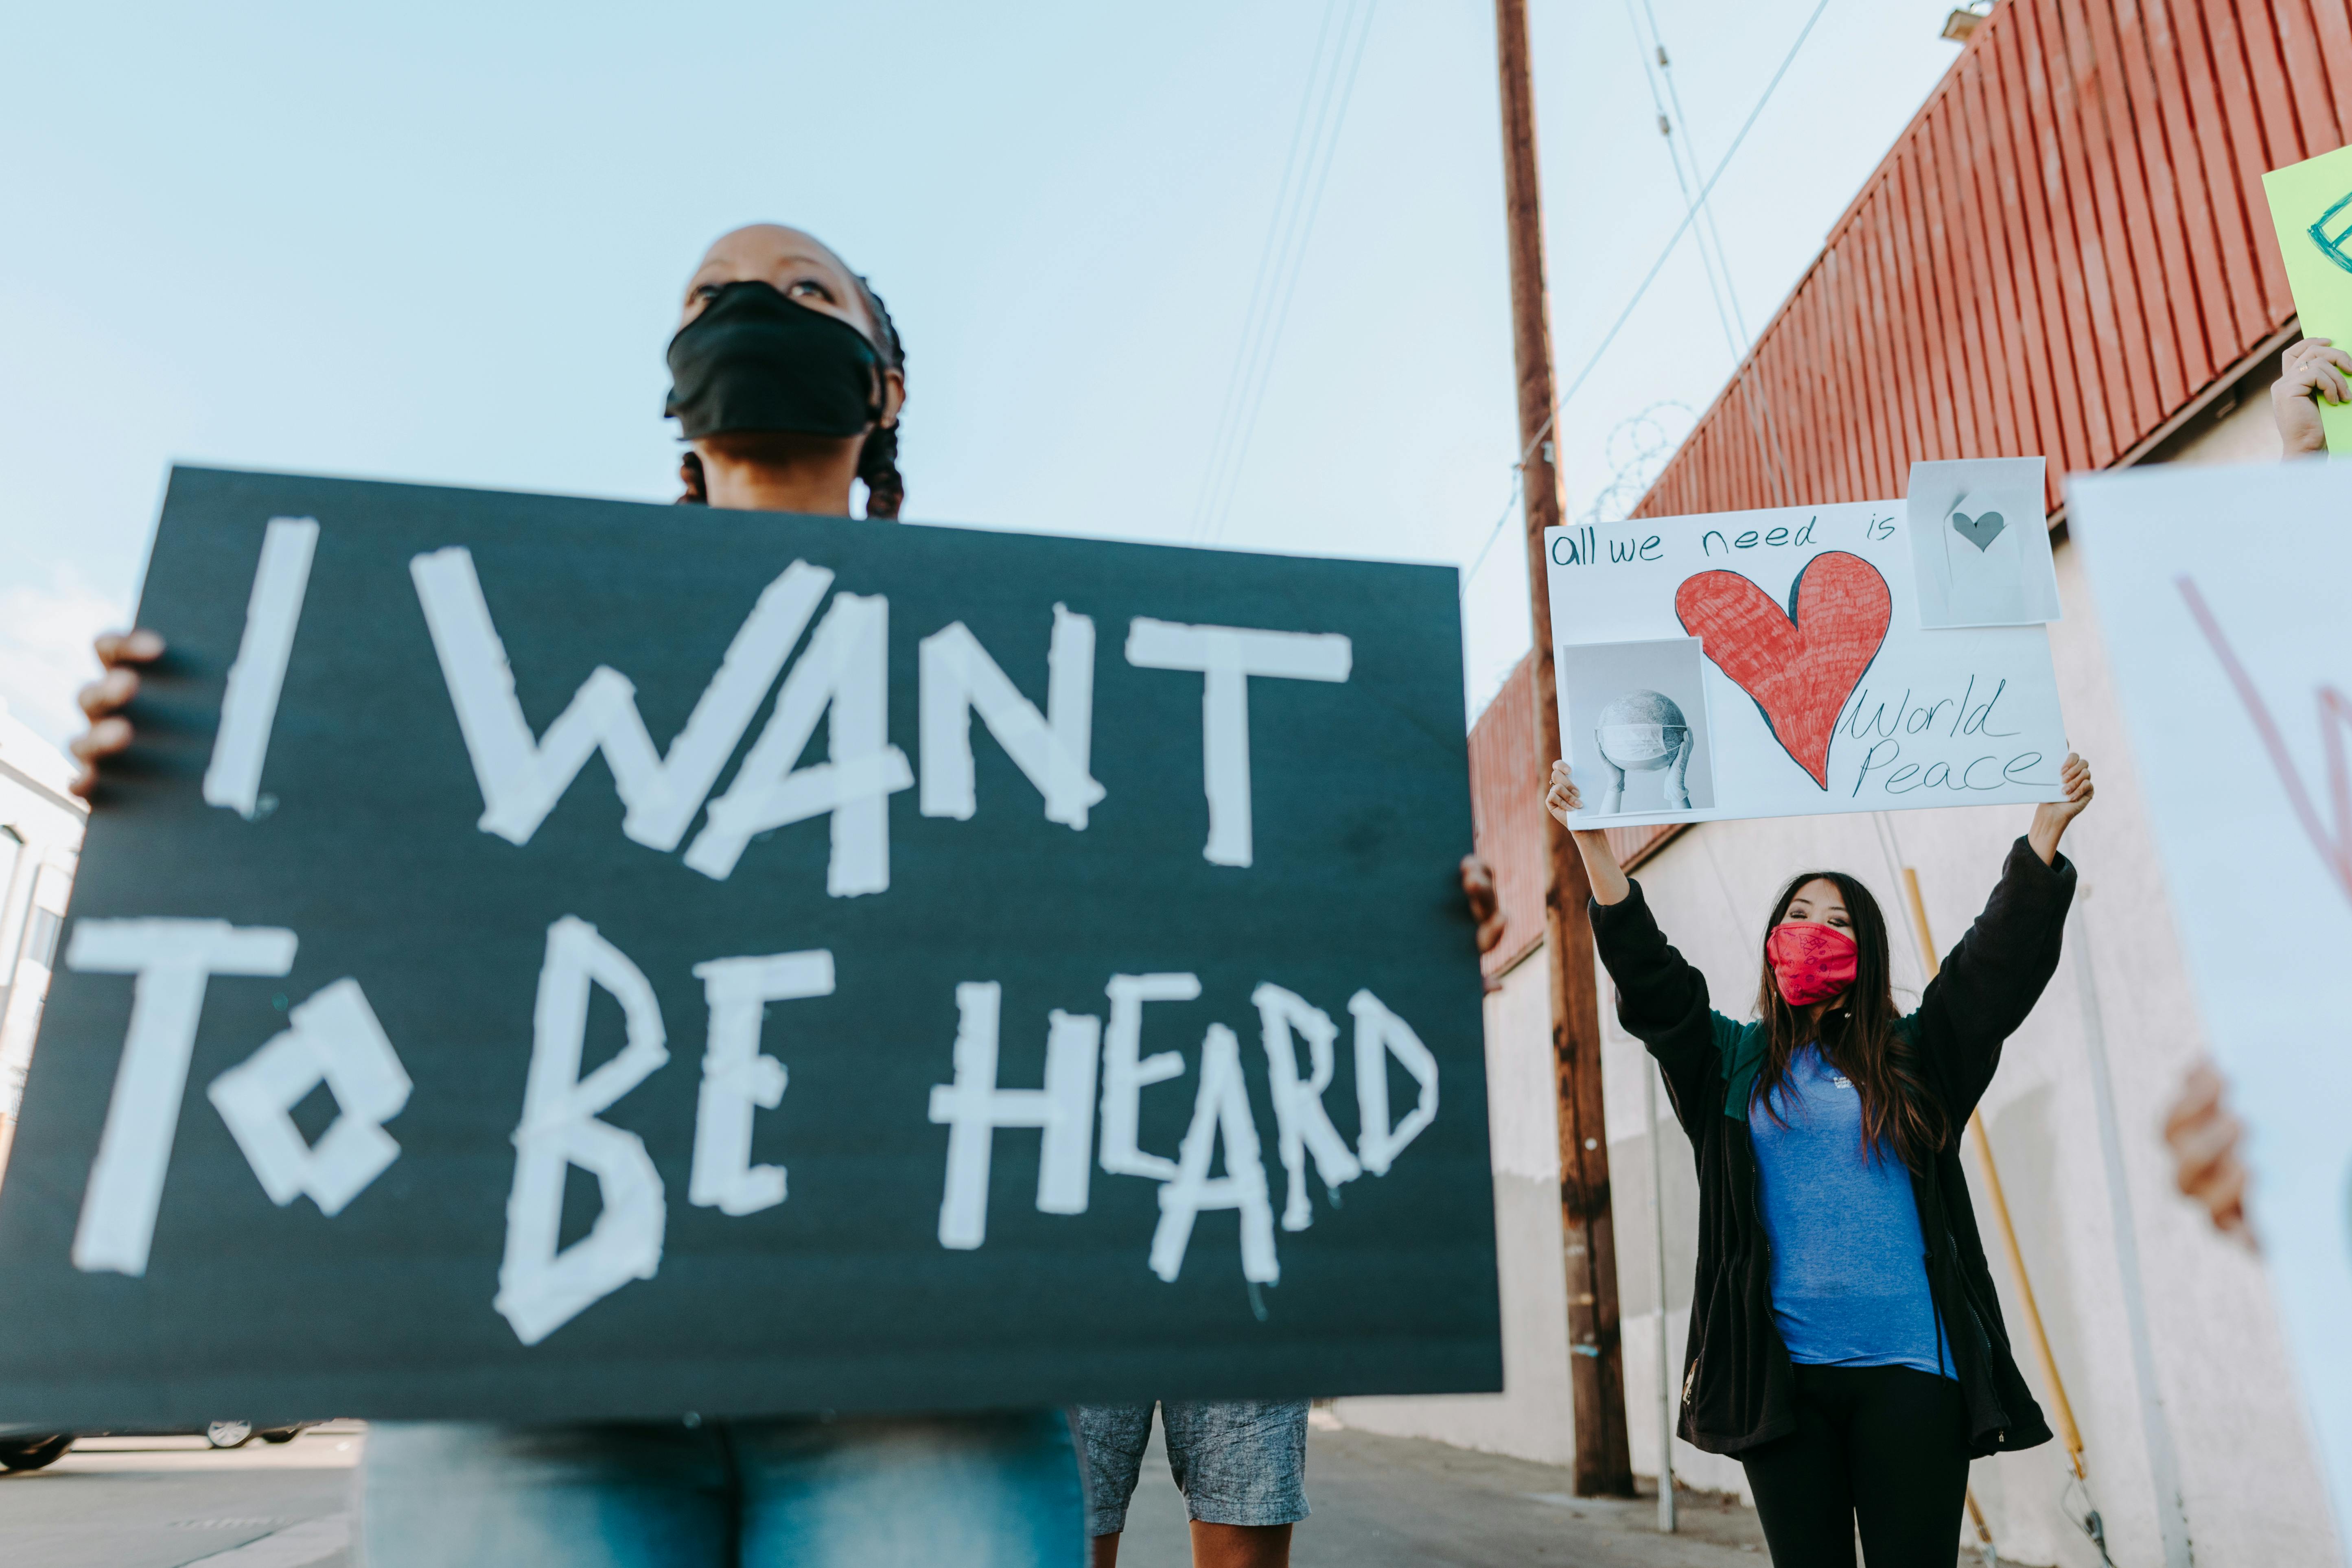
[(161, 1503), (1379, 1502)]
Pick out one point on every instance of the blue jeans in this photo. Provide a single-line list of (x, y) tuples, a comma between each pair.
[(990, 1492)]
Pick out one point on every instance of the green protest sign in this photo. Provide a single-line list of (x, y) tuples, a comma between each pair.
[(2311, 203), (569, 959)]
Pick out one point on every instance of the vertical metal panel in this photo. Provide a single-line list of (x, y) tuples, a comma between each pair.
[(2064, 250)]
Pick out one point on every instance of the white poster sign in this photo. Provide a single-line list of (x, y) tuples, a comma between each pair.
[(1774, 664), (1977, 543), (2221, 592)]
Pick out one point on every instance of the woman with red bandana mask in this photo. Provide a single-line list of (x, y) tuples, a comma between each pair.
[(1845, 1340)]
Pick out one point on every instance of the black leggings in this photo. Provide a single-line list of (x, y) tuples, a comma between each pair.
[(1882, 1447)]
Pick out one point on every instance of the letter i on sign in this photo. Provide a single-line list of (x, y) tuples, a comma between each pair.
[(249, 704)]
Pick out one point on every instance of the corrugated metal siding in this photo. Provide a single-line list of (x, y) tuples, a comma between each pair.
[(1506, 784), (2064, 254)]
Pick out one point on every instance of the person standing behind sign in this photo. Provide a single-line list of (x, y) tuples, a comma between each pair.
[(1848, 1347), (787, 380)]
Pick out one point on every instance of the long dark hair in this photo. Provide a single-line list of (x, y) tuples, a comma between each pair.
[(878, 459), (1856, 1034)]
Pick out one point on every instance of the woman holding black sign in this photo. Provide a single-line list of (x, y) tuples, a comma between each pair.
[(788, 377), (1846, 1346)]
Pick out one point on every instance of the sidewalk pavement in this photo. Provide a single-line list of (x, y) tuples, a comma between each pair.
[(1402, 1502)]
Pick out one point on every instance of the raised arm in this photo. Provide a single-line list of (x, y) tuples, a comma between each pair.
[(1996, 973), (1563, 800), (1662, 998)]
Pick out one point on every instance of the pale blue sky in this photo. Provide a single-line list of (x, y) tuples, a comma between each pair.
[(445, 243)]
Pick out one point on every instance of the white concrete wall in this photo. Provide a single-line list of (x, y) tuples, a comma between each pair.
[(40, 840)]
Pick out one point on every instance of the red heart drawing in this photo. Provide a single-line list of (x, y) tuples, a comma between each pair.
[(1799, 666)]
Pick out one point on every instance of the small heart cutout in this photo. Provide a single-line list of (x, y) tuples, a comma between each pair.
[(1980, 530), (1800, 665)]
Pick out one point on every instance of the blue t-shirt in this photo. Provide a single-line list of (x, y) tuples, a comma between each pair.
[(1849, 1269)]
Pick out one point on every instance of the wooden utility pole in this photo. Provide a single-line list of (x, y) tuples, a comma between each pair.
[(1604, 1464)]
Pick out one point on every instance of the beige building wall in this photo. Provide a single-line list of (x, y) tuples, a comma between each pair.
[(2164, 1334), (40, 841)]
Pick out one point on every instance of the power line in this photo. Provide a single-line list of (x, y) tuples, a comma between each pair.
[(1641, 47), (1649, 277), (1674, 96), (1762, 421), (1718, 261), (1275, 230), (1287, 242), (1518, 474)]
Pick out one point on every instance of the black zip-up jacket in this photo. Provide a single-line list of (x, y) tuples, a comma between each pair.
[(1737, 1390)]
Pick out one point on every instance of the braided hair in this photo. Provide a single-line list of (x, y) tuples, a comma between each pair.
[(878, 459)]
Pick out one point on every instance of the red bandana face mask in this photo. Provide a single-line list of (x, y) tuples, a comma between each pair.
[(1812, 962)]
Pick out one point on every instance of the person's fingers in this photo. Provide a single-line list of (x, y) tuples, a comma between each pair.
[(2306, 375), (138, 646), (2222, 1193), (108, 693), (2074, 778), (2221, 1179), (2200, 1092), (2333, 384), (2215, 1186), (2225, 1200), (104, 739), (2202, 1145)]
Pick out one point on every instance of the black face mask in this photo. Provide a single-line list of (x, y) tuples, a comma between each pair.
[(756, 361)]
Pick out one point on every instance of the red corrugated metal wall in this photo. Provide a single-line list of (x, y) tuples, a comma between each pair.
[(1507, 804), (2063, 254)]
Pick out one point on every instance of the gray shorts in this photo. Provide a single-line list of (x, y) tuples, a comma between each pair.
[(1236, 1462)]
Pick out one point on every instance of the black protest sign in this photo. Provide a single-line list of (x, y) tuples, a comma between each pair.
[(558, 958)]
